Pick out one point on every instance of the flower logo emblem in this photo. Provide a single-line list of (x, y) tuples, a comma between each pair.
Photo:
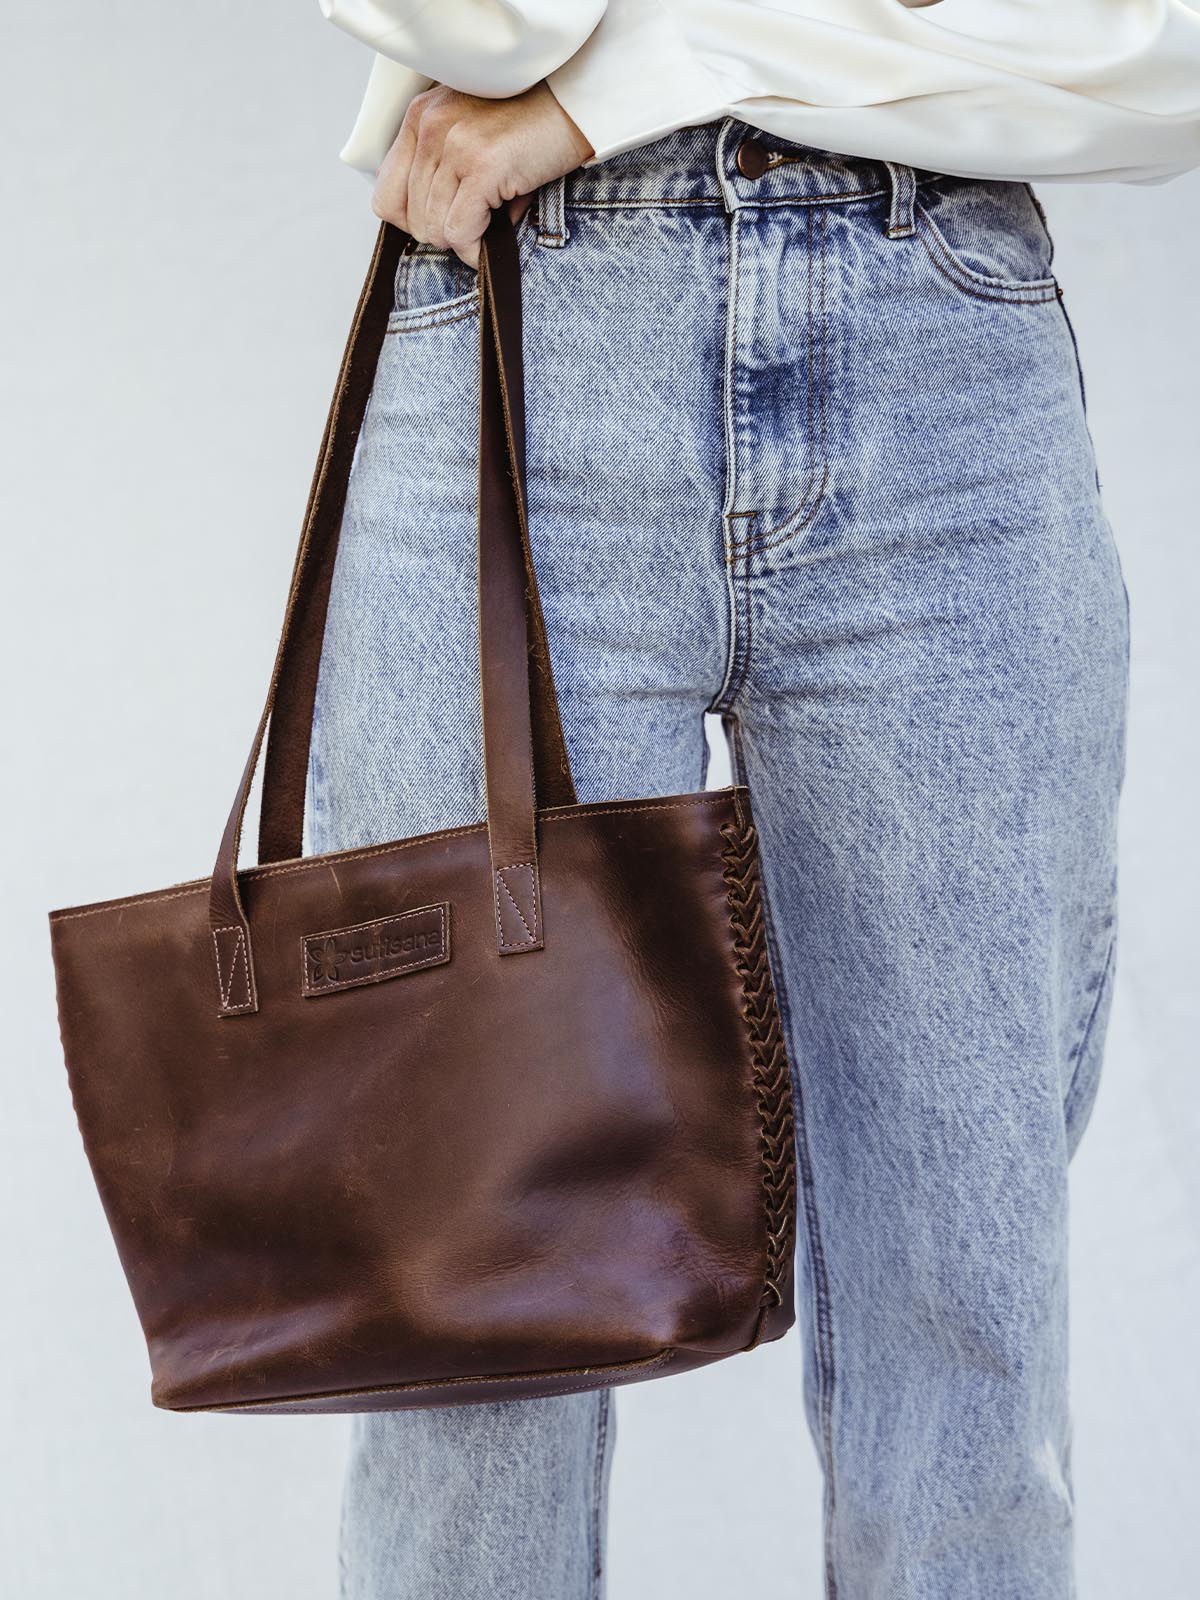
[(325, 963)]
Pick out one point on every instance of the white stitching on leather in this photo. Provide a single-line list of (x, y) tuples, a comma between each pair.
[(309, 863), (499, 883), (226, 989)]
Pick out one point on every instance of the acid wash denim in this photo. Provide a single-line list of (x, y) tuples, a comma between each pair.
[(807, 449)]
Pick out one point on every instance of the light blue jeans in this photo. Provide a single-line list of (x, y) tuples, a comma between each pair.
[(807, 448)]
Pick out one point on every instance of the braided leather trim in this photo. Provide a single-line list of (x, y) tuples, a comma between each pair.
[(772, 1078)]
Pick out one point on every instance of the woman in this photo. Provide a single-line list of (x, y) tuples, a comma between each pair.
[(808, 450)]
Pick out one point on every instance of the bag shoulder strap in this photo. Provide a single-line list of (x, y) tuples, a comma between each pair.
[(525, 754)]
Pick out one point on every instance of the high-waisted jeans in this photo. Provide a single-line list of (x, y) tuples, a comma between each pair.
[(807, 449)]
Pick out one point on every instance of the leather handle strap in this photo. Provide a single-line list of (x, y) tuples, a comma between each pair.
[(281, 819), (292, 691), (504, 579)]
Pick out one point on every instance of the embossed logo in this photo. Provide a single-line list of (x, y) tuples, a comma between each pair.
[(368, 952)]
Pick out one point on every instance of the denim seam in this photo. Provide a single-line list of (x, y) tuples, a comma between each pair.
[(748, 630), (637, 202), (822, 1354), (735, 591), (1066, 316), (1076, 1055), (746, 599), (850, 197), (992, 299), (634, 201), (604, 1400), (819, 1274), (810, 503), (435, 317), (741, 623), (750, 541)]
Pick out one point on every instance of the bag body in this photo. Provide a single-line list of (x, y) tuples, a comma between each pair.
[(500, 1110)]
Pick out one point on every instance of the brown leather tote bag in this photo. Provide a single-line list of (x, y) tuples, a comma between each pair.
[(503, 1110)]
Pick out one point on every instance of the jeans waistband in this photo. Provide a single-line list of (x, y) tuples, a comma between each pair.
[(728, 163), (731, 164)]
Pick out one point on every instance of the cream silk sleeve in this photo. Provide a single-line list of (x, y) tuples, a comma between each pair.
[(1037, 89), (484, 47)]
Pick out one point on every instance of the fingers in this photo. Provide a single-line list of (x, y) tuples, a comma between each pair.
[(390, 198), (465, 223), (421, 183), (426, 162), (457, 157), (431, 213)]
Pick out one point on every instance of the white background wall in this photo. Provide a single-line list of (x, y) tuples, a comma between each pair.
[(180, 255)]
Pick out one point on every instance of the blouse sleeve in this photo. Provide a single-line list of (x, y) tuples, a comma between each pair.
[(1026, 89), (1067, 89), (493, 48)]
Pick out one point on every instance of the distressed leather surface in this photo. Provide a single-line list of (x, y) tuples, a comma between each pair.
[(476, 1169)]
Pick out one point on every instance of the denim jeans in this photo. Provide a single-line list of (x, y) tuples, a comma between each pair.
[(807, 449)]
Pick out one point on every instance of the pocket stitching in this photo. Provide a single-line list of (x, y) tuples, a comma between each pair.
[(1029, 291), (412, 319)]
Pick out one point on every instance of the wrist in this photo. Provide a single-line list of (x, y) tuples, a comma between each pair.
[(579, 140)]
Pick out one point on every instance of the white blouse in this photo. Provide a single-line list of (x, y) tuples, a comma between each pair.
[(1026, 89)]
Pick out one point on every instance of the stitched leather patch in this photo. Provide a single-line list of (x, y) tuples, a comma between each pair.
[(369, 952), (517, 922)]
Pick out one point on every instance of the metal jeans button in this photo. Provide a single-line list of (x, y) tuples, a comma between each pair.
[(753, 158)]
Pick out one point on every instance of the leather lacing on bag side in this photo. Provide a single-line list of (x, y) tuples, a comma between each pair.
[(772, 1078)]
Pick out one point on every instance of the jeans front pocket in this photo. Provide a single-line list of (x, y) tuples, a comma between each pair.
[(434, 285), (988, 238)]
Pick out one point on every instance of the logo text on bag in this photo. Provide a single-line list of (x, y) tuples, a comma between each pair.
[(368, 952)]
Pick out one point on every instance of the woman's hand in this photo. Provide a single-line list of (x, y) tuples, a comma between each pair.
[(457, 157)]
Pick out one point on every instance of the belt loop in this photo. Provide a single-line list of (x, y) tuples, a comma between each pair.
[(901, 221), (552, 213)]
